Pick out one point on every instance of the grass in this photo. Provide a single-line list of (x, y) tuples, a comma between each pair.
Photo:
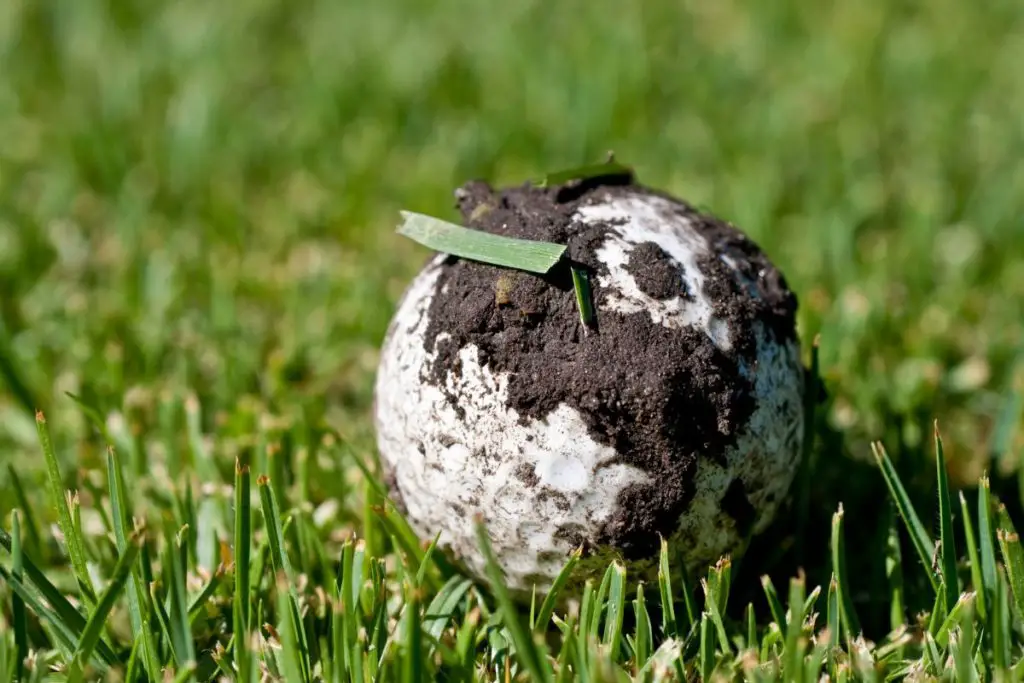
[(198, 263), (477, 245)]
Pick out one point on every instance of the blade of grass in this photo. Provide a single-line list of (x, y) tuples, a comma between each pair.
[(986, 541), (565, 673), (600, 603), (972, 554), (851, 624), (894, 573), (946, 538), (393, 522), (442, 608), (98, 619), (67, 617), (961, 646), (344, 616), (1013, 555), (769, 643), (895, 643), (773, 602), (964, 604), (1001, 634), (72, 539), (932, 658), (292, 652), (17, 604), (136, 591), (616, 610), (938, 611), (815, 661), (241, 605), (642, 631), (282, 565), (712, 607), (587, 608), (918, 535), (177, 608), (547, 607), (131, 670), (466, 641), (340, 662), (707, 648), (792, 666), (65, 636), (427, 562), (476, 245), (156, 602), (412, 671), (527, 651), (584, 297), (833, 622), (669, 626), (195, 607), (812, 600), (719, 578)]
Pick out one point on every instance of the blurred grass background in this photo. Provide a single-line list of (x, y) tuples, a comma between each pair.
[(199, 198)]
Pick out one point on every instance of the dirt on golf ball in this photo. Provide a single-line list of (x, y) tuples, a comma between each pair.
[(676, 414)]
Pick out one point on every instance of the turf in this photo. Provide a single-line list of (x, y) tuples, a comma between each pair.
[(198, 262)]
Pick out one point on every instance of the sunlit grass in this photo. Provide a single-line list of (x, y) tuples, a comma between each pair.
[(198, 263)]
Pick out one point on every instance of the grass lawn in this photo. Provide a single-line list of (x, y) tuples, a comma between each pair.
[(197, 204)]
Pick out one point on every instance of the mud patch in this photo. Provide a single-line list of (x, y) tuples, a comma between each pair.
[(662, 398), (657, 274)]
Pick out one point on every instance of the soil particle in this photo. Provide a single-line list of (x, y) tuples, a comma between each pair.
[(527, 474), (657, 274), (662, 398)]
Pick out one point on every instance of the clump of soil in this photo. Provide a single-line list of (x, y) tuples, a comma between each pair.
[(657, 274), (662, 398)]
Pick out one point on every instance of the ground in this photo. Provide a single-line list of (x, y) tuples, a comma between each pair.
[(197, 203)]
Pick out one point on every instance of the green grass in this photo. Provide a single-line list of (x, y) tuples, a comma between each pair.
[(198, 262)]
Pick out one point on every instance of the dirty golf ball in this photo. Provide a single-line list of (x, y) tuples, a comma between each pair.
[(676, 413)]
